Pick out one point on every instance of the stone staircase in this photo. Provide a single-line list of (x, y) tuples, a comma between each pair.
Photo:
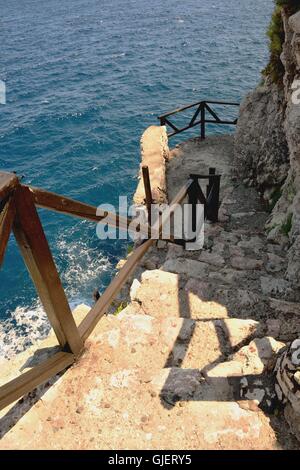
[(188, 364)]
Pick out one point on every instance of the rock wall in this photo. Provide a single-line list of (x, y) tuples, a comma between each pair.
[(267, 155), (261, 150), (267, 148)]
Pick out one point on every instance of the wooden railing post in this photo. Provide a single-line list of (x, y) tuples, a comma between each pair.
[(148, 192), (34, 247), (7, 215)]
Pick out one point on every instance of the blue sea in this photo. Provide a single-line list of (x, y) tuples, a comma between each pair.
[(84, 78)]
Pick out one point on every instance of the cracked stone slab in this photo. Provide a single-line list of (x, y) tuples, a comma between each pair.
[(212, 258), (240, 262), (187, 267), (282, 306), (275, 263), (271, 285)]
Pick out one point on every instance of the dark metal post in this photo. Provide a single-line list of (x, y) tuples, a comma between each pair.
[(211, 171), (192, 200), (148, 192), (162, 121), (214, 200), (202, 124)]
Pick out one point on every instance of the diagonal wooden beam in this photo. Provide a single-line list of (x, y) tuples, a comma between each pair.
[(7, 216), (99, 309), (26, 382), (73, 208), (68, 206), (8, 182), (34, 247)]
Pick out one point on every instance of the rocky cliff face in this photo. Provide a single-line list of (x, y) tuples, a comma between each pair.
[(261, 150), (267, 155), (267, 147)]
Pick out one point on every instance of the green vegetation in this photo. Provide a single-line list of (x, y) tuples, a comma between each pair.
[(292, 5), (275, 68), (291, 191), (129, 249), (275, 196), (286, 227), (120, 308)]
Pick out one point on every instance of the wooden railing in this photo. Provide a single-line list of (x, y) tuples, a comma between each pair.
[(18, 213), (204, 114)]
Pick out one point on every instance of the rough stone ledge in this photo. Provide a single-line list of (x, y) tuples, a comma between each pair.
[(155, 152)]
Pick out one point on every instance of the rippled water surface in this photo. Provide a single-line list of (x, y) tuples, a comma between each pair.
[(84, 78)]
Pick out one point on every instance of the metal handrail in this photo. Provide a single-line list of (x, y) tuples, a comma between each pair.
[(202, 108)]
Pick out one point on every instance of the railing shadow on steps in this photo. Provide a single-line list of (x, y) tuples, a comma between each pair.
[(203, 114), (18, 213)]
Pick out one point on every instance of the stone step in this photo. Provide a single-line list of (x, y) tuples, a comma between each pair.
[(97, 407), (215, 415), (212, 342), (170, 341), (282, 306), (163, 294)]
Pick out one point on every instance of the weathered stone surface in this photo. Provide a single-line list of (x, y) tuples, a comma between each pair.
[(160, 294), (189, 384), (293, 268), (223, 214), (228, 276), (294, 22), (220, 337), (261, 151), (275, 263), (134, 288), (226, 369), (235, 250), (229, 425), (201, 303), (237, 331), (212, 258), (187, 267), (239, 262), (255, 244), (174, 251), (271, 285), (293, 419), (272, 158), (218, 248), (229, 237), (239, 215), (259, 355), (155, 151), (283, 306), (287, 373), (147, 371)]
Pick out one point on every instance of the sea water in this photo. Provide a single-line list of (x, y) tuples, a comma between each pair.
[(83, 79)]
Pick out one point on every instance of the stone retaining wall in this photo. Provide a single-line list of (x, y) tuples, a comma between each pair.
[(154, 153)]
